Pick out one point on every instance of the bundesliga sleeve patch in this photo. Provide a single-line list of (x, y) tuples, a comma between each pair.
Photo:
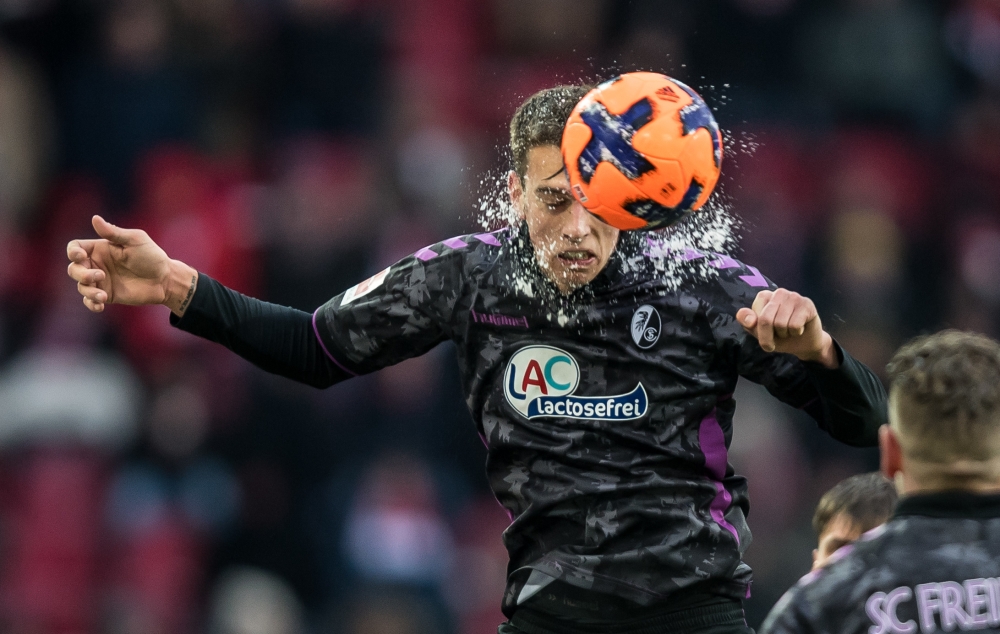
[(540, 381), (362, 289)]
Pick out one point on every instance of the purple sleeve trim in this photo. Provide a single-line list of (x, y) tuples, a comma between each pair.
[(323, 345), (425, 254), (756, 280), (487, 238), (725, 262)]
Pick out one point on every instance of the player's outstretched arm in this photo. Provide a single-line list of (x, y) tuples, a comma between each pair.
[(784, 321), (125, 266), (844, 396)]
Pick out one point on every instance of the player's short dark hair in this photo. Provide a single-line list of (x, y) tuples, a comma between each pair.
[(946, 393), (540, 121), (866, 499)]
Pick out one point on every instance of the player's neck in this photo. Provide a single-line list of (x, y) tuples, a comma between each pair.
[(974, 476)]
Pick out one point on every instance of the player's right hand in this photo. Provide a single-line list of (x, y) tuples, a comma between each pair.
[(124, 266)]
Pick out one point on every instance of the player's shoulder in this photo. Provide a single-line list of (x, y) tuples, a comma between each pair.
[(718, 279), (852, 563), (439, 270), (469, 247), (442, 266), (805, 607), (679, 260), (826, 598), (723, 269)]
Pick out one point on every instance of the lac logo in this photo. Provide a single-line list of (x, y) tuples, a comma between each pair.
[(540, 381), (646, 326)]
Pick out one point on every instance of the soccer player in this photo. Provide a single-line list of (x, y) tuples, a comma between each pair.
[(851, 508), (935, 565), (603, 396)]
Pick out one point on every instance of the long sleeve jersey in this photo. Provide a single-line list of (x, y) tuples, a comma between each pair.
[(607, 415), (934, 566)]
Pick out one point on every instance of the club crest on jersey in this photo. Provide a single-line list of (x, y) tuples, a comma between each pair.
[(540, 381), (646, 326)]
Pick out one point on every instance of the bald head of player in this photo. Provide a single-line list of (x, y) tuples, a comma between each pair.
[(944, 415), (571, 245)]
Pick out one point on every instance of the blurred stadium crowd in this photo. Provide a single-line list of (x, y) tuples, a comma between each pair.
[(152, 483)]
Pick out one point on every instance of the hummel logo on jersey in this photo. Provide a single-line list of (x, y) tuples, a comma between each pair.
[(646, 326), (540, 381), (498, 320)]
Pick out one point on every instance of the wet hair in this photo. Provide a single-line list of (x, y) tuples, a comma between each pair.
[(945, 391), (866, 500), (540, 121)]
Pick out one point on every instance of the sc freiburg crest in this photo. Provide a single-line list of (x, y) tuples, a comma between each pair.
[(646, 327)]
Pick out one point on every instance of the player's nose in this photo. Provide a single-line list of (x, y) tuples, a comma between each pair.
[(577, 224)]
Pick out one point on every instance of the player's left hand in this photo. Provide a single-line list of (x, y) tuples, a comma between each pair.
[(784, 321)]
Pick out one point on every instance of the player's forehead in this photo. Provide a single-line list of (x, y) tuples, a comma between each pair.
[(545, 169)]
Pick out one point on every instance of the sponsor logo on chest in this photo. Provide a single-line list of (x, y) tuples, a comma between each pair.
[(540, 382)]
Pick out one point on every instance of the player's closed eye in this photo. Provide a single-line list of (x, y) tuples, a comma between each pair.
[(554, 203), (553, 197)]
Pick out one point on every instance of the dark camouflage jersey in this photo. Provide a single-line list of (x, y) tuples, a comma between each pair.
[(607, 416), (935, 566)]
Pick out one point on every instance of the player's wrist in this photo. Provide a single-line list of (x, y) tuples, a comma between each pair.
[(179, 286), (826, 355)]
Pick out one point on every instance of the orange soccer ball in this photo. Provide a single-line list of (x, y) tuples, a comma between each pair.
[(642, 151)]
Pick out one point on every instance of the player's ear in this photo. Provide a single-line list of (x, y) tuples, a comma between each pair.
[(890, 453), (515, 190)]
